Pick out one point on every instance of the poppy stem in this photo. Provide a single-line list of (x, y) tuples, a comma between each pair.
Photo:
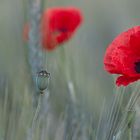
[(129, 134), (35, 117), (131, 116), (66, 70), (36, 112)]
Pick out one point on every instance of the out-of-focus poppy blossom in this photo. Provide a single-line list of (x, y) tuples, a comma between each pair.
[(58, 24), (123, 56)]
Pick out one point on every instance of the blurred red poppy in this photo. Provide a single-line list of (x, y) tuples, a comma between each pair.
[(57, 26), (123, 56)]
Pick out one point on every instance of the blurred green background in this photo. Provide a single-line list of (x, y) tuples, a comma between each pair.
[(103, 21)]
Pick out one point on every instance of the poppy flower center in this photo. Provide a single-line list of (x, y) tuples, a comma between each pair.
[(137, 67), (63, 30), (59, 31)]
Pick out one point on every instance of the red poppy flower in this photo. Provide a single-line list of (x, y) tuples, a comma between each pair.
[(123, 56), (58, 24)]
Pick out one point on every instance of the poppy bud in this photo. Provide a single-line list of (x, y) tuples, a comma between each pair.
[(42, 80)]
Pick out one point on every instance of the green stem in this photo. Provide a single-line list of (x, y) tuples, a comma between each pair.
[(131, 116), (64, 66), (129, 134)]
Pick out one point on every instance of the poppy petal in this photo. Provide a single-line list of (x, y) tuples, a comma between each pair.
[(125, 80)]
